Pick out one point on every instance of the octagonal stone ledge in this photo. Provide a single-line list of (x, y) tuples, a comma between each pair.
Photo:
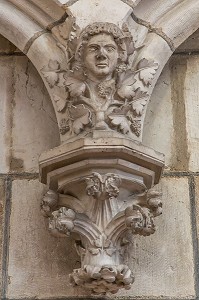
[(103, 151)]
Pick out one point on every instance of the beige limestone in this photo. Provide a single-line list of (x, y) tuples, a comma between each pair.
[(7, 47), (99, 11), (158, 127), (2, 205), (16, 26), (28, 123), (171, 124), (34, 124), (44, 12), (39, 263), (190, 45), (6, 93), (36, 268), (196, 179), (191, 96), (163, 264)]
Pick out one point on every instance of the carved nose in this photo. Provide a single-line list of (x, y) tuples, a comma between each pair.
[(101, 54)]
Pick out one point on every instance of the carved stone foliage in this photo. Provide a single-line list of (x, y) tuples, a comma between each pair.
[(103, 229), (99, 87)]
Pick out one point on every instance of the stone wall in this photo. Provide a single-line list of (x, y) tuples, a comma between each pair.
[(34, 264)]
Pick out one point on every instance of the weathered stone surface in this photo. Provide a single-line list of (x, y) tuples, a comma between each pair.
[(7, 47), (158, 127), (17, 26), (34, 127), (28, 123), (99, 11), (190, 45), (6, 92), (39, 264), (197, 202), (191, 98), (163, 263), (2, 203), (171, 124)]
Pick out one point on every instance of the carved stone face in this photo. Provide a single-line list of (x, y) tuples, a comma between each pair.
[(101, 56)]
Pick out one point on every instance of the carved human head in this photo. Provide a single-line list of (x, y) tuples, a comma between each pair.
[(101, 49)]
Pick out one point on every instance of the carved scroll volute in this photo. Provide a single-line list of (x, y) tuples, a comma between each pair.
[(99, 87)]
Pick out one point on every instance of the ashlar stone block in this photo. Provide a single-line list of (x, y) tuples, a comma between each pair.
[(34, 123), (2, 206), (191, 96), (39, 264), (163, 263), (158, 127), (6, 94)]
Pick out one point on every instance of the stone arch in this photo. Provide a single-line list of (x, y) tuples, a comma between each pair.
[(161, 26)]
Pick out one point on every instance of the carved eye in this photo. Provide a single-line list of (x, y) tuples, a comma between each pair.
[(110, 49), (93, 49)]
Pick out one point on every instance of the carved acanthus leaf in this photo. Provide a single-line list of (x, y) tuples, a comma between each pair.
[(147, 70)]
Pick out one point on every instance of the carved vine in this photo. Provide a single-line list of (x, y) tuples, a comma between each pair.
[(114, 98)]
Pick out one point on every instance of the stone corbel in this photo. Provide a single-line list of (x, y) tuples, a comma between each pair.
[(100, 191), (101, 177)]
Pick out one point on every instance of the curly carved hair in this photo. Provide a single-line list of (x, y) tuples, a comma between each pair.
[(102, 27)]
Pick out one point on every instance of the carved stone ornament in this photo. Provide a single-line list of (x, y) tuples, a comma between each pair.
[(100, 178), (99, 87)]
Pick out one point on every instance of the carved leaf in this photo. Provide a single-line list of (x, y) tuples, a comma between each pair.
[(93, 251), (120, 122), (127, 89), (110, 251), (139, 102), (75, 86), (50, 72), (60, 103), (81, 117), (147, 70)]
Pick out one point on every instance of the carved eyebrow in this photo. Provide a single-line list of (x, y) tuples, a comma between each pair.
[(93, 45), (107, 45), (110, 45)]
